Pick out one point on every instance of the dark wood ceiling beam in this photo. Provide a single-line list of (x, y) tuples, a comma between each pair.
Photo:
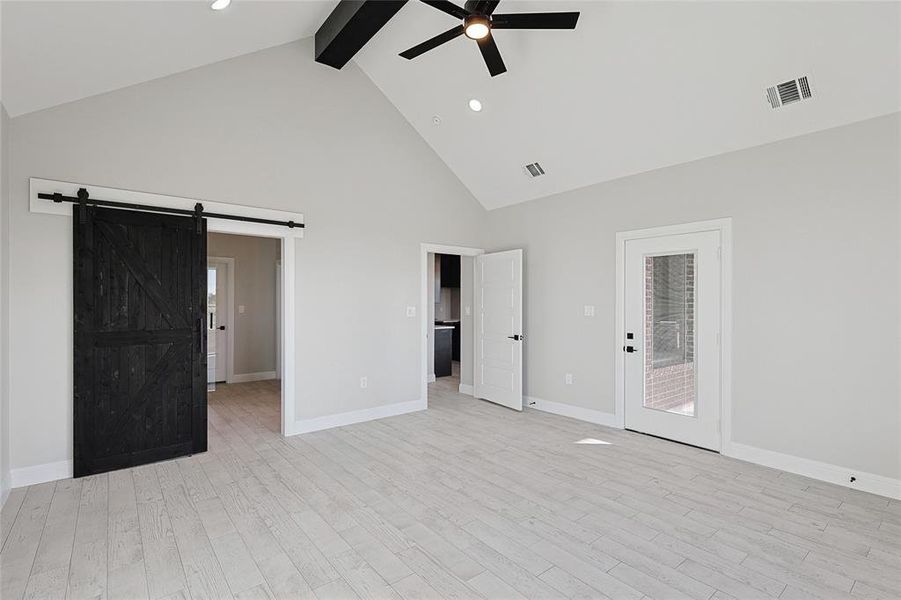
[(350, 26)]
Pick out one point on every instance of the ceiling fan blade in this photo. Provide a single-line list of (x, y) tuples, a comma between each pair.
[(448, 7), (433, 43), (561, 20), (481, 7), (492, 55)]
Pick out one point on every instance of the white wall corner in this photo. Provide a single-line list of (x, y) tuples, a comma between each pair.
[(41, 473), (865, 482), (356, 416), (590, 415)]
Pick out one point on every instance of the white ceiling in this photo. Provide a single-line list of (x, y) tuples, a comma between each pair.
[(56, 52), (637, 86)]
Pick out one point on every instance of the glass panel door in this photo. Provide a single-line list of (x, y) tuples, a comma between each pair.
[(672, 310)]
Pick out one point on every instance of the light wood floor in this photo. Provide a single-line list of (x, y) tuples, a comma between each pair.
[(464, 500)]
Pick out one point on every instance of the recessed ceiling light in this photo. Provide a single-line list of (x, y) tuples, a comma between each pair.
[(475, 105), (220, 4)]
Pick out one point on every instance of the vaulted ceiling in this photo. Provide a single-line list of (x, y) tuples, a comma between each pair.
[(636, 87)]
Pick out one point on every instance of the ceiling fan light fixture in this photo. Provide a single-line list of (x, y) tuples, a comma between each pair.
[(475, 105), (476, 27)]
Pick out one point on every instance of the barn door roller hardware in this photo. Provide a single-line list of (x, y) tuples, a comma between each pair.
[(83, 199)]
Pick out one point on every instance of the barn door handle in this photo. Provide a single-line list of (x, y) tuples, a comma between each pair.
[(201, 326)]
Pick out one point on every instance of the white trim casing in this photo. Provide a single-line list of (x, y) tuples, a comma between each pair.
[(724, 227), (424, 250), (40, 473), (286, 235), (866, 482), (248, 377), (590, 415)]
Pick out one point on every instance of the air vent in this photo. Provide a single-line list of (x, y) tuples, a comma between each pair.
[(534, 170), (788, 92)]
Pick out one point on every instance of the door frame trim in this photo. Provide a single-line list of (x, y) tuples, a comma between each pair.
[(287, 236), (424, 250), (230, 317), (724, 227)]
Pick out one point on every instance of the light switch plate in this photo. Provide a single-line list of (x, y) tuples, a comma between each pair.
[(589, 310), (468, 311), (411, 311), (240, 309), (568, 378)]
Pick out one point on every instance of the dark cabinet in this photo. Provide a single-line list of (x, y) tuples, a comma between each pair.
[(443, 352), (450, 270)]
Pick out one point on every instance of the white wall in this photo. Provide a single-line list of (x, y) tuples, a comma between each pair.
[(4, 305), (271, 129), (815, 294), (254, 273)]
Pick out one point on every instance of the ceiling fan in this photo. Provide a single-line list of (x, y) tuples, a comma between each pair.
[(478, 21)]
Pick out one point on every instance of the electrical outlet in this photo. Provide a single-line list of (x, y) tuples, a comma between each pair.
[(588, 310), (411, 311), (568, 379), (364, 382)]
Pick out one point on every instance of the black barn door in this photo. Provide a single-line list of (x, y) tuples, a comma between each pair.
[(140, 338)]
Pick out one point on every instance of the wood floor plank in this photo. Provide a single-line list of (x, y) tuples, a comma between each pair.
[(50, 571), (88, 571), (162, 560), (126, 575), (465, 500), (17, 556)]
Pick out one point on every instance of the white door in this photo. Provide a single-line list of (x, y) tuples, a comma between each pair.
[(217, 321), (672, 329), (498, 325)]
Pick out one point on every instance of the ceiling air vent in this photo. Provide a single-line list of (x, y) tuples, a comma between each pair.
[(534, 170), (788, 92)]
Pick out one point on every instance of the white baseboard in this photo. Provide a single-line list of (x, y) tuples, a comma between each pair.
[(40, 473), (248, 377), (591, 415), (867, 482), (357, 416), (4, 494), (466, 388), (432, 378)]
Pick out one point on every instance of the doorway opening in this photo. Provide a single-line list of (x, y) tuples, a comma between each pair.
[(447, 323), (673, 325), (243, 324), (490, 315)]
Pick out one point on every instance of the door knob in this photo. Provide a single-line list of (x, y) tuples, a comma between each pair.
[(629, 348), (516, 337), (222, 328)]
